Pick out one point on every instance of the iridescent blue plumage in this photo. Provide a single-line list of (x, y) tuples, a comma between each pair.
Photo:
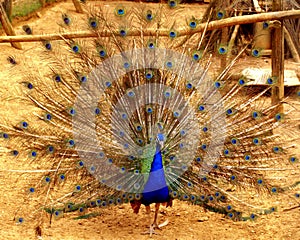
[(156, 189)]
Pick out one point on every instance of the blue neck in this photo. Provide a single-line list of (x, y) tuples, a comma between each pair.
[(157, 160), (156, 189)]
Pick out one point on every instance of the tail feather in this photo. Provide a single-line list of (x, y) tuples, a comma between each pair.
[(98, 105)]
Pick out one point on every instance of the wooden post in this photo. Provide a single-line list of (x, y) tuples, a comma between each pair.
[(232, 39), (224, 36), (277, 36), (7, 4), (43, 3), (291, 45), (8, 27), (78, 6)]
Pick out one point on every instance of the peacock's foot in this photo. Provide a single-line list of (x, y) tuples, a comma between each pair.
[(152, 231), (156, 226)]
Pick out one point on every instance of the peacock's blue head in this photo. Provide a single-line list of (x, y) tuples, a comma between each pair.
[(160, 140)]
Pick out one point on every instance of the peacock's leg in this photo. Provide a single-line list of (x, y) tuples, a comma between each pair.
[(151, 229), (155, 225), (148, 212)]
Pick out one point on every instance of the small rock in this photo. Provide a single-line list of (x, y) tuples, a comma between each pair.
[(38, 14), (203, 219)]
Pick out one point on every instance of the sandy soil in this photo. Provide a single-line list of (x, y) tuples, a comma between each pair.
[(186, 221)]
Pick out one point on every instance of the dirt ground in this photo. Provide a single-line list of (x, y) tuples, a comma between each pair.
[(185, 220)]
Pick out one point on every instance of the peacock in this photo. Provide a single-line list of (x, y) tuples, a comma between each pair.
[(142, 114)]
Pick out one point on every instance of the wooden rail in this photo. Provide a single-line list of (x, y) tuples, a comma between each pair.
[(227, 22), (5, 18)]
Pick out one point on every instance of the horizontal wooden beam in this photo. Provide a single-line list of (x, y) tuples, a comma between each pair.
[(227, 22)]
